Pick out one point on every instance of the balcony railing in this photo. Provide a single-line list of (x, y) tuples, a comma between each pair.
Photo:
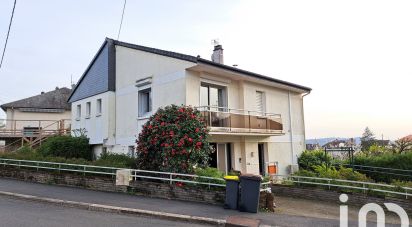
[(33, 128), (223, 119)]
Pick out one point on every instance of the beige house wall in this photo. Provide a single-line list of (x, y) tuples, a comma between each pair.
[(241, 95), (17, 120), (168, 87)]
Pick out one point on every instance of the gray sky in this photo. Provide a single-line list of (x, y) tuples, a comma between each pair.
[(356, 55)]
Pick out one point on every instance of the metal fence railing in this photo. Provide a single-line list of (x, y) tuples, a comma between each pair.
[(365, 187), (102, 170), (177, 177), (42, 165)]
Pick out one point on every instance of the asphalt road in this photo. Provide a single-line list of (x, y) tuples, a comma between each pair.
[(19, 213)]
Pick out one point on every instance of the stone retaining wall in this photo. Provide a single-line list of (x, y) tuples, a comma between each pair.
[(356, 199)]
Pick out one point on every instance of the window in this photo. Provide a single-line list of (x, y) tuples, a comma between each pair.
[(145, 102), (99, 107), (212, 95), (88, 109), (260, 103), (78, 112), (131, 151)]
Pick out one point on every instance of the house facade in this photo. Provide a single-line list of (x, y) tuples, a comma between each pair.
[(255, 121), (35, 118), (39, 111)]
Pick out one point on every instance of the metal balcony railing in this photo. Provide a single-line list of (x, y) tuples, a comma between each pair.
[(224, 119)]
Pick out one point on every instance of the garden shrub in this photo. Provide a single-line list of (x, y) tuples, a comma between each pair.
[(174, 139), (309, 159), (67, 147), (386, 160), (210, 172), (115, 160)]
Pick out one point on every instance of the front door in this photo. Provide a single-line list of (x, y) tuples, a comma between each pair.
[(221, 157), (261, 151), (213, 156)]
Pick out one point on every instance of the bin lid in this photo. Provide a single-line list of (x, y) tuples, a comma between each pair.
[(234, 178), (251, 177)]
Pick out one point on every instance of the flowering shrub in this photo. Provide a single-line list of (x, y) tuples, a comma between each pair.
[(174, 139)]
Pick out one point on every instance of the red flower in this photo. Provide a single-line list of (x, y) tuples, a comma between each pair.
[(199, 144), (197, 130), (181, 110), (190, 140), (162, 124)]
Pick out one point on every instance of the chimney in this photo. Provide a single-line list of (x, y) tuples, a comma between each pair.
[(217, 55), (42, 92)]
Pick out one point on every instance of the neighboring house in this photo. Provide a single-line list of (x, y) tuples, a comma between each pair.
[(38, 116), (337, 143), (313, 146), (259, 120)]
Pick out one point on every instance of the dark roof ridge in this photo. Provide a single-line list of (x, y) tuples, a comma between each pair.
[(36, 101)]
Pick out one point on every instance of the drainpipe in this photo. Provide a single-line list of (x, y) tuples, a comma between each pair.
[(303, 119), (290, 129)]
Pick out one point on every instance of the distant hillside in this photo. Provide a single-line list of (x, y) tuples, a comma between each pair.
[(323, 141)]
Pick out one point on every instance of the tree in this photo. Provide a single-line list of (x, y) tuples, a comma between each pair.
[(174, 139), (402, 145), (367, 139)]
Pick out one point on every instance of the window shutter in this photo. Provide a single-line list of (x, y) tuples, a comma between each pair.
[(259, 103)]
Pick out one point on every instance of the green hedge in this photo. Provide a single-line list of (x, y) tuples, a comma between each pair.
[(386, 160), (108, 160), (309, 159), (67, 147)]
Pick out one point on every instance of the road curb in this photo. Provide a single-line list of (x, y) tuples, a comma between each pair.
[(116, 209)]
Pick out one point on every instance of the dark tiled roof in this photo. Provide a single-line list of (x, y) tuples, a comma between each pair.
[(56, 99), (205, 61)]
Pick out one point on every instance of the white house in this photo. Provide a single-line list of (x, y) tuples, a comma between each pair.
[(255, 120)]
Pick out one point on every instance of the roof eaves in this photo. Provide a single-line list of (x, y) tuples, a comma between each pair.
[(259, 76)]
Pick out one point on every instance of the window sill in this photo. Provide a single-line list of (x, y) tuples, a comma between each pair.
[(143, 117), (98, 115), (87, 117), (77, 119)]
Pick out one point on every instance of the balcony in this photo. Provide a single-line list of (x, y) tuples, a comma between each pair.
[(223, 120)]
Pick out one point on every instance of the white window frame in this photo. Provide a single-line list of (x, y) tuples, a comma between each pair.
[(140, 112), (225, 89), (263, 102), (88, 109), (98, 107), (78, 112)]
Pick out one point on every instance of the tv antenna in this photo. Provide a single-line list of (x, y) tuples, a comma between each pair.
[(215, 42)]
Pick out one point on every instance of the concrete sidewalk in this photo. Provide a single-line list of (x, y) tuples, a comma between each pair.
[(158, 205)]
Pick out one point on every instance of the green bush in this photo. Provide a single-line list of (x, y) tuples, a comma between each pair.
[(115, 160), (341, 172), (174, 139), (67, 147), (309, 159), (209, 172), (386, 160)]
